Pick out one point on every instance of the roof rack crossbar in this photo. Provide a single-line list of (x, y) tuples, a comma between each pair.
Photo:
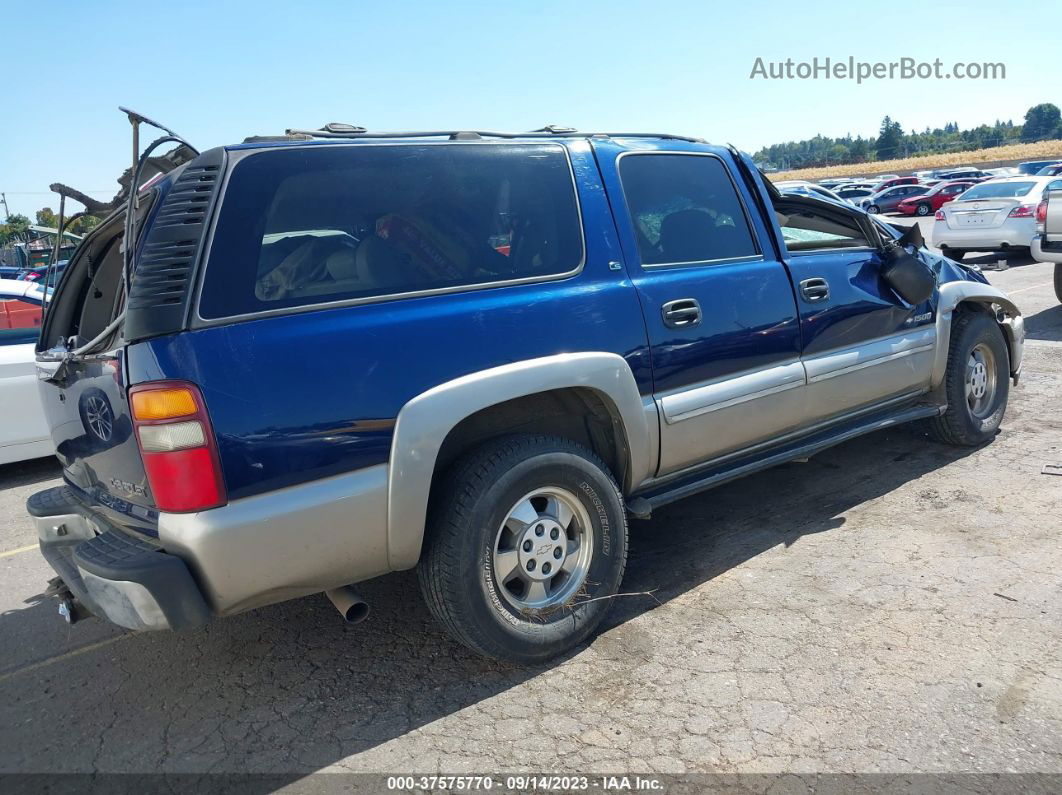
[(465, 134)]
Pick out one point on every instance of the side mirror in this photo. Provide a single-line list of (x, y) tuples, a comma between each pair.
[(905, 273)]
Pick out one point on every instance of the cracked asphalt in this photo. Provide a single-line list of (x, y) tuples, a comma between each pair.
[(892, 605)]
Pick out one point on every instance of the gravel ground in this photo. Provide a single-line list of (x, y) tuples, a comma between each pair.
[(892, 605)]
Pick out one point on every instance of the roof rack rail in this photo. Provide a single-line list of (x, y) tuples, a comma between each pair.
[(336, 130)]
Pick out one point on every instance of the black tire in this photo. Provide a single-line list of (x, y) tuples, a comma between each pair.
[(470, 506), (1058, 281), (873, 209), (923, 209), (960, 425), (953, 253)]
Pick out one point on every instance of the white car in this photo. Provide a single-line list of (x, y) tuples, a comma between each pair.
[(808, 189), (23, 429), (997, 215)]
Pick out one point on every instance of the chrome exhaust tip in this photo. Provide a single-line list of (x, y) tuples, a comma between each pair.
[(352, 607)]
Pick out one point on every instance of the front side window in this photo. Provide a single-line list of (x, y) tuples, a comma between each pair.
[(309, 225), (805, 229), (685, 209)]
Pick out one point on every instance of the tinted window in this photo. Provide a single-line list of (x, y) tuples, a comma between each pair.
[(309, 225), (684, 208), (998, 190)]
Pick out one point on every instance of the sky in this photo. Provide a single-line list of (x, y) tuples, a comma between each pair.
[(216, 72)]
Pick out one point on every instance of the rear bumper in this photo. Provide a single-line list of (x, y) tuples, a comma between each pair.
[(116, 575), (1016, 233), (1045, 252)]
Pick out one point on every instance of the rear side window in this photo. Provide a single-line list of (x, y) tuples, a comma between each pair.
[(310, 225), (685, 209)]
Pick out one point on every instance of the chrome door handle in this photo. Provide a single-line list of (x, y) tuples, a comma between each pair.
[(816, 289), (681, 313)]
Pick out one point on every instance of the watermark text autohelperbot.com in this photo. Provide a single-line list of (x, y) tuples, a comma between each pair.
[(861, 71)]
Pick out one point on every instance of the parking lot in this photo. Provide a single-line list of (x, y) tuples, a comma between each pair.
[(890, 605)]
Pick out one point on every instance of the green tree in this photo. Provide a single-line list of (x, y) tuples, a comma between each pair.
[(15, 228), (889, 139), (1041, 121), (84, 224), (45, 217)]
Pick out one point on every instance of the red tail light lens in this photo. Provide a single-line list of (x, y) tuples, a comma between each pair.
[(177, 445), (1021, 211), (1041, 212), (939, 216)]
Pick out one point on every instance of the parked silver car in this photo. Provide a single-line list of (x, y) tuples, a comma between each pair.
[(886, 201), (998, 215)]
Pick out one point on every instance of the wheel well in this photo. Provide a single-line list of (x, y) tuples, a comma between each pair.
[(583, 415), (985, 308)]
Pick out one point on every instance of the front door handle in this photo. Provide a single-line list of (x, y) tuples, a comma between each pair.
[(814, 290), (681, 313)]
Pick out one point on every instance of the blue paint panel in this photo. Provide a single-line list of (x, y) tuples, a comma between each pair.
[(286, 393)]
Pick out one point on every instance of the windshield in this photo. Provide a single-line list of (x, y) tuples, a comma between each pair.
[(998, 190)]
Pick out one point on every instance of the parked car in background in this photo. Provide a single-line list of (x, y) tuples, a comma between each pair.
[(24, 430), (1032, 167), (890, 183), (1050, 171), (853, 195), (37, 274), (998, 215), (877, 179), (811, 190), (934, 199), (886, 201), (1047, 242), (264, 420), (962, 173)]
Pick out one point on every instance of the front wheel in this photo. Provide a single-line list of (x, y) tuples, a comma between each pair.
[(976, 383), (873, 209), (1058, 281), (923, 209), (526, 545)]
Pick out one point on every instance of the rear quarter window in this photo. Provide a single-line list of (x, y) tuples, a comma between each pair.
[(313, 225)]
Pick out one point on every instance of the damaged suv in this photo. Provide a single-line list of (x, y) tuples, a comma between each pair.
[(305, 361)]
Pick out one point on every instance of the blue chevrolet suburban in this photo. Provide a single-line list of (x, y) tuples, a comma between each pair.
[(304, 361)]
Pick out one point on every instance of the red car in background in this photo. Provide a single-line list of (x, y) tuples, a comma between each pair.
[(940, 194)]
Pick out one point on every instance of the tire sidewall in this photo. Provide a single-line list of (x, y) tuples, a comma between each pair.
[(981, 330), (923, 209), (489, 610)]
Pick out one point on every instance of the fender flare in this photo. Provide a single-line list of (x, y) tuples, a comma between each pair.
[(952, 295), (424, 422)]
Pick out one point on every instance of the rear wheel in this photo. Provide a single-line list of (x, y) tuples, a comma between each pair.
[(1058, 281), (527, 540), (976, 383), (873, 209), (923, 209)]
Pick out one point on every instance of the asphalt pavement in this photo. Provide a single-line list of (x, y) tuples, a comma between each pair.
[(892, 605)]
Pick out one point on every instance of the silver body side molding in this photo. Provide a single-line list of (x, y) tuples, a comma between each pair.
[(424, 422), (286, 543), (954, 293), (730, 391)]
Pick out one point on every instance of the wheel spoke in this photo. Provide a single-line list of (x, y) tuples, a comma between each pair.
[(560, 511), (571, 557), (523, 515), (505, 563), (536, 591)]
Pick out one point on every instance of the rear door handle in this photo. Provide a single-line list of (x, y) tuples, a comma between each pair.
[(681, 313), (814, 290)]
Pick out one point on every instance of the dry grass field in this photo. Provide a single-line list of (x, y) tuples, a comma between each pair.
[(1040, 150)]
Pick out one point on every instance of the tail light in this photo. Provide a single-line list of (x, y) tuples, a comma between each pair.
[(1041, 212), (1022, 211), (178, 446), (939, 216)]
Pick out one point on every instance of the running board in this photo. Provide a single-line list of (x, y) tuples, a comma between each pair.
[(643, 504)]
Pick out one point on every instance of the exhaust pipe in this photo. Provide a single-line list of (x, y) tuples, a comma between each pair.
[(352, 607)]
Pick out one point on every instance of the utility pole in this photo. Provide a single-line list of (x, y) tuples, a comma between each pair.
[(7, 212)]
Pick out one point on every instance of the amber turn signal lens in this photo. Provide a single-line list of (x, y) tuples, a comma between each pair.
[(163, 404)]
